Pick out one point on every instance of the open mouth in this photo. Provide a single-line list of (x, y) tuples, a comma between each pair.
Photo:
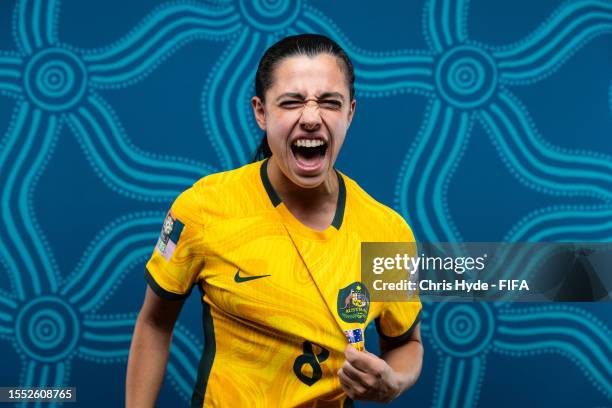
[(309, 153)]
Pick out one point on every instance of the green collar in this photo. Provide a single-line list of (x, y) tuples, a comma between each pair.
[(275, 199)]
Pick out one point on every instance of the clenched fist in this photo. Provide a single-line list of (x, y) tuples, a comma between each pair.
[(365, 376)]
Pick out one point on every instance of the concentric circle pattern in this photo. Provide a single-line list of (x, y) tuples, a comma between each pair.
[(463, 330), (55, 79), (47, 329), (270, 15), (466, 77)]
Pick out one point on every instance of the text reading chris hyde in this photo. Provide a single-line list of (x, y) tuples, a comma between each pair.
[(452, 286)]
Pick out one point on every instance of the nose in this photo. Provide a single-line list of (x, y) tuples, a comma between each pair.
[(310, 120)]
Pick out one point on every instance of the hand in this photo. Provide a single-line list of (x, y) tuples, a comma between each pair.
[(365, 376)]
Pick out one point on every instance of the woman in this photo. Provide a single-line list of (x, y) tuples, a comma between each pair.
[(274, 248)]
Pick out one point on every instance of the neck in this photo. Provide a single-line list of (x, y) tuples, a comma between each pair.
[(315, 199)]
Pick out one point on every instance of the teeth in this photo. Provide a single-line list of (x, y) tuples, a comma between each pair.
[(308, 143)]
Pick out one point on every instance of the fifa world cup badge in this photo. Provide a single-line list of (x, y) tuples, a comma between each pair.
[(169, 236)]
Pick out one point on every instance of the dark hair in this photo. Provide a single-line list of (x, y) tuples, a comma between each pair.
[(303, 44)]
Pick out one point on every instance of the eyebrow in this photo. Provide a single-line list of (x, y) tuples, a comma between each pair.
[(300, 96)]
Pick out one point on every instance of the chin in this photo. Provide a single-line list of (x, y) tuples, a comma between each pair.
[(310, 178), (308, 181)]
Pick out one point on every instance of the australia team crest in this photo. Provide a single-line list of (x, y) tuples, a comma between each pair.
[(354, 303)]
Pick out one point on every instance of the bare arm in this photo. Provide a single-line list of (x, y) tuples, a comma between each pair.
[(406, 360), (149, 349)]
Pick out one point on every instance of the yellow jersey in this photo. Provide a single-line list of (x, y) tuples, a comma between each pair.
[(277, 295)]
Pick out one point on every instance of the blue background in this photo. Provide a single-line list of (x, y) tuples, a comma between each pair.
[(478, 121)]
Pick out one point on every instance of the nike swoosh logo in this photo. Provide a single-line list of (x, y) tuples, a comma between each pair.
[(240, 279)]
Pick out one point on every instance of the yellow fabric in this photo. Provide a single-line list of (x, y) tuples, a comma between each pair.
[(261, 325)]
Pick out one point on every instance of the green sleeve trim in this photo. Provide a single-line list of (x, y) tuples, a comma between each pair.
[(402, 338), (208, 356), (161, 292)]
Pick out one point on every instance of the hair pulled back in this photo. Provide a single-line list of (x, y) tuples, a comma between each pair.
[(309, 45)]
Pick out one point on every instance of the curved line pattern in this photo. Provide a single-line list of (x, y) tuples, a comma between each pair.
[(25, 153), (55, 375), (584, 326), (140, 165), (566, 348), (149, 162), (35, 23), (26, 203), (458, 382), (446, 22), (8, 313), (564, 224), (555, 329), (593, 161), (538, 166), (137, 257), (221, 106), (106, 150), (9, 263), (118, 245), (425, 173), (162, 34), (377, 74), (358, 55), (161, 17), (10, 74), (544, 51), (35, 374), (106, 339)]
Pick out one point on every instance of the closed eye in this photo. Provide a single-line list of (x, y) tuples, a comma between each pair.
[(330, 104), (291, 104)]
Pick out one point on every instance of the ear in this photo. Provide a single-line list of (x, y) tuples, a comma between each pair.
[(351, 112), (259, 112)]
